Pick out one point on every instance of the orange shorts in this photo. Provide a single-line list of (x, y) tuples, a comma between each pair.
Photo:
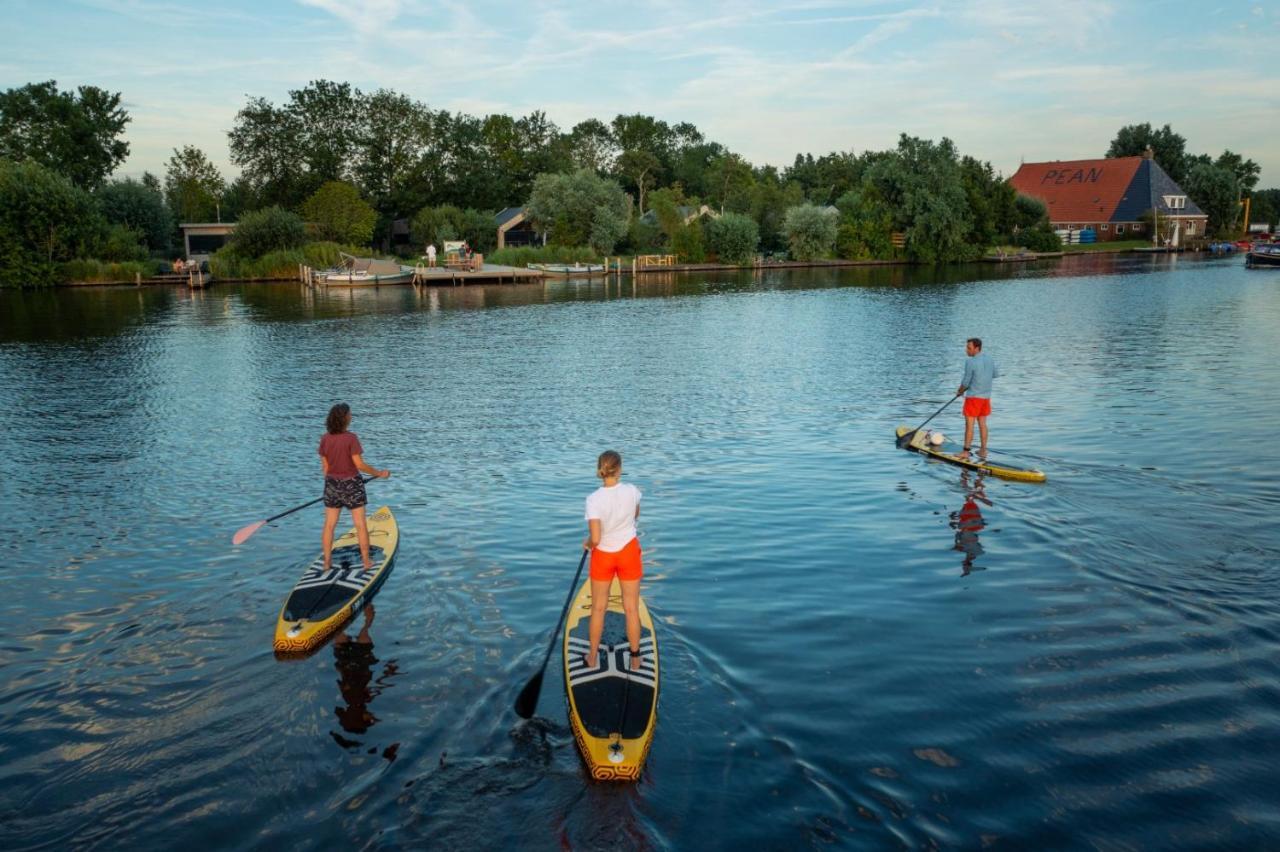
[(976, 406), (625, 563)]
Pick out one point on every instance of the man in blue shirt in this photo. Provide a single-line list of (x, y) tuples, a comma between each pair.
[(979, 370)]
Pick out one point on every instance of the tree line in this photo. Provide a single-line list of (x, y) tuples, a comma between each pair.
[(352, 164)]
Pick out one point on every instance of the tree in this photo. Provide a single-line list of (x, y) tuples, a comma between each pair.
[(728, 176), (1170, 149), (141, 208), (642, 168), (920, 183), (992, 202), (1246, 172), (1217, 192), (336, 212), (74, 134), (1265, 207), (579, 209), (866, 226), (45, 219), (192, 185), (591, 146), (264, 144), (268, 230), (811, 231), (733, 237), (435, 225)]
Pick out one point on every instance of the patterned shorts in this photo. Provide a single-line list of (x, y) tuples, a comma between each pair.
[(344, 493)]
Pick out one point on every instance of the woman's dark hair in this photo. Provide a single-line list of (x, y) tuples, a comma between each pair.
[(339, 417)]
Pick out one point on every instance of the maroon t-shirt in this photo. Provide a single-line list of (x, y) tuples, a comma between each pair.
[(339, 449)]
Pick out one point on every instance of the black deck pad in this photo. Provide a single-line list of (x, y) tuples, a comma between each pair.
[(319, 595), (611, 698)]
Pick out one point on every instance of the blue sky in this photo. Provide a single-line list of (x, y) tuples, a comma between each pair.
[(1008, 80)]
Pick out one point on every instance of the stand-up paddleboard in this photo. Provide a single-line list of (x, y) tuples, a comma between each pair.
[(321, 602), (950, 452), (612, 709)]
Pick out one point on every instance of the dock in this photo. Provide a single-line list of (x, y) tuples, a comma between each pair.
[(486, 273)]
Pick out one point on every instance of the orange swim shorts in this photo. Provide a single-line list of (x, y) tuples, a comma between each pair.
[(625, 563), (976, 406)]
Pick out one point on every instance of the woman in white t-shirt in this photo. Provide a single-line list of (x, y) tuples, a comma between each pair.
[(612, 510)]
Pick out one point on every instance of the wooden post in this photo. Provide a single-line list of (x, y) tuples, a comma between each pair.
[(137, 279), (633, 268)]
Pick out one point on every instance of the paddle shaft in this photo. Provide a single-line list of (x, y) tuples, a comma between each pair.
[(565, 610), (364, 479), (527, 700), (907, 437)]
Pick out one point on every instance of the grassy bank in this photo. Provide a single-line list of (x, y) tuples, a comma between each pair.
[(280, 264), (89, 271), (1114, 245), (525, 255)]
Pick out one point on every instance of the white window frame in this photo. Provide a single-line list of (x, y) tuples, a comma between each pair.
[(1104, 226), (1120, 229)]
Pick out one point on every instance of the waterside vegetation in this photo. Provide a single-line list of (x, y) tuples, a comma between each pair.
[(333, 165)]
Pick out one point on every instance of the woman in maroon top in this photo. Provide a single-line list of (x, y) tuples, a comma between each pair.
[(340, 457)]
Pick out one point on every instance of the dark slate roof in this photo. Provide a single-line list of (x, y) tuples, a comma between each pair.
[(1120, 189), (505, 216)]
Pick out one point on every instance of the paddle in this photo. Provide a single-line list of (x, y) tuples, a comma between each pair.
[(527, 701), (906, 438), (242, 535)]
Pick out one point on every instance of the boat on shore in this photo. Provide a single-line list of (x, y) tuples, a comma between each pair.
[(365, 272), (569, 269)]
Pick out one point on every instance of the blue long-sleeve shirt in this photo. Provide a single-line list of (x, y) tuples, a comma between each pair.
[(979, 370)]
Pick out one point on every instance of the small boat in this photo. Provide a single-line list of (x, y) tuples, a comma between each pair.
[(569, 269), (365, 271), (1263, 255)]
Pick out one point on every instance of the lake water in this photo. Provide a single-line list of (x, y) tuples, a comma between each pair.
[(861, 648)]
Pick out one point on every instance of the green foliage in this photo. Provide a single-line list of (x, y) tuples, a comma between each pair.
[(76, 135), (120, 243), (525, 255), (579, 209), (866, 226), (281, 264), (1216, 191), (811, 232), (192, 185), (922, 184), (435, 225), (1038, 237), (688, 243), (1170, 149), (264, 231), (45, 220), (81, 271), (733, 237), (135, 205), (642, 169), (1265, 207), (642, 237), (337, 213)]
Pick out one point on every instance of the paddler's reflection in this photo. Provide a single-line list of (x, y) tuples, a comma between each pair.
[(968, 521), (354, 660)]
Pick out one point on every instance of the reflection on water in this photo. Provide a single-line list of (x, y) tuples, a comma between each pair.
[(830, 678), (968, 522)]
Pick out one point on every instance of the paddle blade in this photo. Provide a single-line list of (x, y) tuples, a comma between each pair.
[(243, 534), (527, 701), (906, 438)]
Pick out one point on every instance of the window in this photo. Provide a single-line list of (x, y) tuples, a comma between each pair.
[(1119, 229), (1191, 228), (1138, 226), (1104, 226)]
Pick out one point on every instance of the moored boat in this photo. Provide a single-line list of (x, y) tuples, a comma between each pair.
[(1263, 256), (569, 269), (365, 271)]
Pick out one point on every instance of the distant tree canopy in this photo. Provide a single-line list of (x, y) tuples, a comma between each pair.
[(75, 134), (45, 220), (193, 186), (141, 208), (336, 213), (579, 209), (1217, 191), (268, 230)]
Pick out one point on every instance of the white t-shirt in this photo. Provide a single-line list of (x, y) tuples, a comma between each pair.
[(615, 509)]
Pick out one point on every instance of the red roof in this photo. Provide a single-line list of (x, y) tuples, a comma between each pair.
[(1078, 190)]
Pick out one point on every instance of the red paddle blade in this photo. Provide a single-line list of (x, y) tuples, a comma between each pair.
[(243, 534)]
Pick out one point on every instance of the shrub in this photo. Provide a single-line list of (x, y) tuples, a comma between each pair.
[(687, 242), (82, 271), (525, 255), (336, 212), (811, 231), (435, 225), (44, 220), (122, 244), (134, 204), (278, 265), (1039, 238), (268, 230), (734, 238), (579, 208)]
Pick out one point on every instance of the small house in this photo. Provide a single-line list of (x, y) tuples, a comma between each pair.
[(515, 229), (201, 239)]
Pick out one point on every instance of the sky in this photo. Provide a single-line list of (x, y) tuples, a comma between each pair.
[(1008, 80)]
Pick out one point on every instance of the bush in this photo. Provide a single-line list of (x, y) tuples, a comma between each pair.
[(811, 232), (121, 244), (642, 238), (45, 220), (525, 255), (135, 205), (269, 230), (435, 225), (580, 208), (82, 271), (1039, 238), (734, 238), (279, 265), (336, 212)]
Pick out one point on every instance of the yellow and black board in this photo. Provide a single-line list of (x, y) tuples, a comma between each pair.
[(322, 601), (612, 709), (949, 452)]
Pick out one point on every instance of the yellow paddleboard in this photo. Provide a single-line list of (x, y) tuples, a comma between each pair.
[(949, 452), (322, 601), (612, 709)]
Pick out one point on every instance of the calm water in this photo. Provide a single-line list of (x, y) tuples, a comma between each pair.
[(861, 648)]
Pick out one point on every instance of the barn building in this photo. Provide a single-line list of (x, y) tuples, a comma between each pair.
[(1118, 199)]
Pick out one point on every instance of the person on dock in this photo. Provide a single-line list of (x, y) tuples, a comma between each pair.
[(979, 370), (431, 255), (178, 266), (342, 459), (612, 510)]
